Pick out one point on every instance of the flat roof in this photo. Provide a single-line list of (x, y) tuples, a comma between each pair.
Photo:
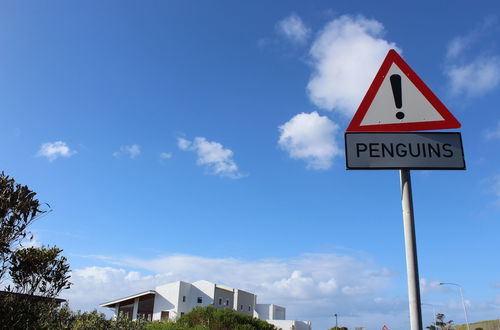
[(114, 302)]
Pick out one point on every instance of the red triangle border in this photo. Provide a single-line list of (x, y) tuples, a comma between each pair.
[(449, 121)]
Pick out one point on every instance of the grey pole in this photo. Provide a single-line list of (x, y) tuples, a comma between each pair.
[(463, 302), (411, 251)]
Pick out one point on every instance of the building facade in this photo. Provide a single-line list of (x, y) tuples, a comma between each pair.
[(172, 300)]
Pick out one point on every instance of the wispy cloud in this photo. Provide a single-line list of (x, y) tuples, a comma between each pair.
[(491, 186), (294, 29), (54, 150), (165, 155), (458, 45), (213, 156), (345, 57), (495, 186), (310, 137), (491, 134), (131, 151), (472, 74), (475, 78)]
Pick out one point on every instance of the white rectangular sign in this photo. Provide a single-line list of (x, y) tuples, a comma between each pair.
[(404, 150)]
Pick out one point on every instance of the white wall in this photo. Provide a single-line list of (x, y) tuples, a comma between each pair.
[(270, 312), (188, 305), (263, 311), (166, 299), (278, 312), (290, 325)]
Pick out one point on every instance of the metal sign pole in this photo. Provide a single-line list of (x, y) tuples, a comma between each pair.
[(411, 251)]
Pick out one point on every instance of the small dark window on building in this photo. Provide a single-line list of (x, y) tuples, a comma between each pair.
[(241, 307), (249, 308), (199, 300), (220, 301), (227, 302), (182, 313), (183, 298)]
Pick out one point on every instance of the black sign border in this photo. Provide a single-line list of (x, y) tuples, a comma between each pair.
[(403, 168)]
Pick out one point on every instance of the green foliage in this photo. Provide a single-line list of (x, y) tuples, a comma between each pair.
[(90, 321), (27, 312), (222, 319), (486, 325), (18, 209), (441, 323), (39, 271), (171, 326), (37, 274)]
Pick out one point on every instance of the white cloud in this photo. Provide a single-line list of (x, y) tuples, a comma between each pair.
[(492, 187), (494, 133), (472, 76), (310, 137), (496, 185), (131, 151), (346, 56), (183, 144), (165, 155), (475, 78), (309, 285), (427, 286), (460, 44), (294, 29), (213, 156), (53, 150)]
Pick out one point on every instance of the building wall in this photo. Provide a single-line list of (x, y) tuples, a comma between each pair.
[(290, 325), (166, 299), (185, 301), (244, 302), (263, 311), (223, 298), (278, 312)]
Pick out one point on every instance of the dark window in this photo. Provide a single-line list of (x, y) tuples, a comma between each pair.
[(220, 301), (183, 298), (126, 308), (227, 302), (249, 308), (164, 315), (145, 307), (199, 300), (182, 313), (241, 307)]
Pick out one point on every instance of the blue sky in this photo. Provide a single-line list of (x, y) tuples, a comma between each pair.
[(183, 140)]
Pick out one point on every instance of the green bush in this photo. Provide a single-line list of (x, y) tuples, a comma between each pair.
[(222, 319)]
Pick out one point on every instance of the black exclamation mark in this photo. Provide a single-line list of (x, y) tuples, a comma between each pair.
[(398, 96)]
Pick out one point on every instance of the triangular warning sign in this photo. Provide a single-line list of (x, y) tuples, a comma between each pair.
[(398, 101)]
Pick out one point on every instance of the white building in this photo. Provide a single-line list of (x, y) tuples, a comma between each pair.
[(170, 301)]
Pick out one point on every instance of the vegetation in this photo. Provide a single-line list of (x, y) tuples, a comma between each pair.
[(39, 271), (18, 209), (441, 323), (483, 325), (36, 275), (221, 319), (206, 318)]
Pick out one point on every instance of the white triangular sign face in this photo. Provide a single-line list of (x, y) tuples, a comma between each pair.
[(414, 105), (398, 100)]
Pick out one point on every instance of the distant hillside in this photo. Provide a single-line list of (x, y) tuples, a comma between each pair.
[(485, 325)]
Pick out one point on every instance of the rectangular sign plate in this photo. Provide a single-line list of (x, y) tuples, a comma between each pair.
[(404, 150)]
